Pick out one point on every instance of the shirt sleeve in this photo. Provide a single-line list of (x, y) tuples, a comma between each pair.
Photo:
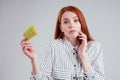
[(96, 71), (45, 66)]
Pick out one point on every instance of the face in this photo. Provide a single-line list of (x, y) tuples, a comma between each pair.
[(70, 24)]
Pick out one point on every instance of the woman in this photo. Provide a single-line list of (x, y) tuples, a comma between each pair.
[(72, 55)]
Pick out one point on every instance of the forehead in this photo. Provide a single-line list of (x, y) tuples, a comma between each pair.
[(68, 14)]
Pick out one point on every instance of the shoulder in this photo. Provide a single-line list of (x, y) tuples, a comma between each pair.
[(57, 42), (95, 44), (53, 45), (94, 50)]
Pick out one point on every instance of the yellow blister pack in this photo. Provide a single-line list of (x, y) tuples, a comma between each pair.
[(30, 32)]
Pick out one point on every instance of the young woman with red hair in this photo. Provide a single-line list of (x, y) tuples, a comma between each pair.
[(72, 55)]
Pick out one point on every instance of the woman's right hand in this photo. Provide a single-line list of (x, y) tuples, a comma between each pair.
[(30, 52), (28, 49)]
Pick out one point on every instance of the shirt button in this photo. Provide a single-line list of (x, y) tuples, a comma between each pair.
[(73, 48), (74, 65), (73, 53), (74, 77)]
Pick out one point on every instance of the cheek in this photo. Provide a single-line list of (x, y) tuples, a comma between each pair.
[(65, 29), (79, 28), (62, 29)]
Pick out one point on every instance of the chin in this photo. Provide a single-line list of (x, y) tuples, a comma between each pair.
[(74, 36)]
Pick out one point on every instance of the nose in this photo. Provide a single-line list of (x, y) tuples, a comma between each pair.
[(71, 24)]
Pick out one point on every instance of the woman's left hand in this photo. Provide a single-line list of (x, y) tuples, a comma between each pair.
[(82, 50), (82, 47)]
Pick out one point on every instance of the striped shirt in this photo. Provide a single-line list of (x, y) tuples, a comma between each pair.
[(61, 62)]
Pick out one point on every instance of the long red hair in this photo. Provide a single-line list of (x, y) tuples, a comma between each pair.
[(60, 35)]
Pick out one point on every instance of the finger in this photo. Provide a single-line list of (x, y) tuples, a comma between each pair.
[(27, 48), (23, 39), (80, 36), (81, 33), (82, 39), (24, 42), (28, 45)]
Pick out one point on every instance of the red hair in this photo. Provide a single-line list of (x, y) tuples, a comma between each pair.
[(59, 34)]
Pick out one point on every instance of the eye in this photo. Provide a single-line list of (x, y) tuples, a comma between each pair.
[(76, 20), (66, 22)]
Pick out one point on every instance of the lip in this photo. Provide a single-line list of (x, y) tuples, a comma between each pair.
[(72, 31)]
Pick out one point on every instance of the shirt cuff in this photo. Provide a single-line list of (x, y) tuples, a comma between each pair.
[(90, 73), (36, 77)]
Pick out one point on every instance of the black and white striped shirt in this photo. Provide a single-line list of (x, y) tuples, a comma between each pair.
[(62, 63)]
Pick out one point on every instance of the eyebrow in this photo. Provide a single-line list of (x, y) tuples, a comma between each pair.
[(73, 18)]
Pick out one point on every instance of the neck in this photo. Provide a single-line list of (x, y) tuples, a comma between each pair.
[(73, 41)]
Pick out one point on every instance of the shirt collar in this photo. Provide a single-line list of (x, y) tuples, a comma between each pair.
[(68, 44)]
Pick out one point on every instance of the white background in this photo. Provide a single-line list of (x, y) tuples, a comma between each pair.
[(102, 16)]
